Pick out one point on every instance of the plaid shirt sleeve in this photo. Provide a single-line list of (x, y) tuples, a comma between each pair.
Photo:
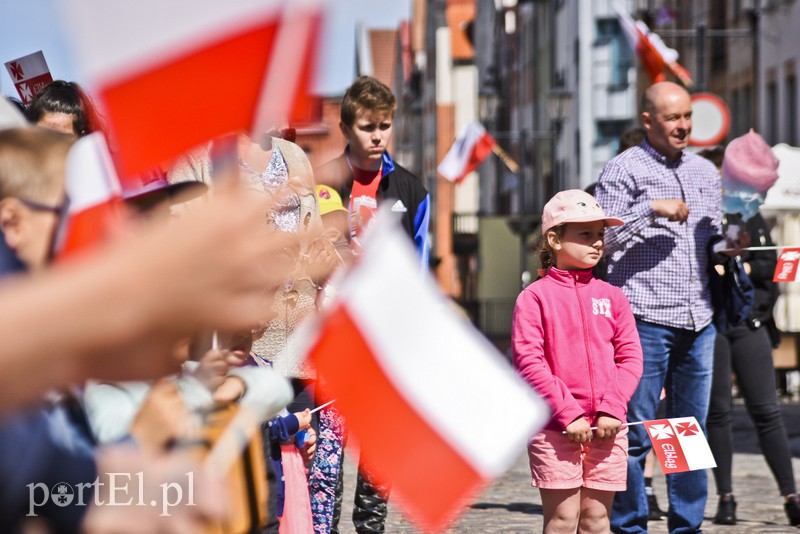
[(619, 196)]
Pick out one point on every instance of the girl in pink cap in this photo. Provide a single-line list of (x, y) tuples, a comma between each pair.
[(575, 341)]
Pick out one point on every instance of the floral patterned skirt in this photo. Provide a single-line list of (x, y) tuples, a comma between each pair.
[(325, 470)]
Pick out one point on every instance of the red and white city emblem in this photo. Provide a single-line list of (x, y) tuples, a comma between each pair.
[(661, 431), (16, 70), (687, 429)]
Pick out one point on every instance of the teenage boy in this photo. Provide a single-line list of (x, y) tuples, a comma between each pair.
[(365, 176)]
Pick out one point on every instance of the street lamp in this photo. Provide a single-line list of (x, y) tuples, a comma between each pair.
[(488, 98), (559, 105)]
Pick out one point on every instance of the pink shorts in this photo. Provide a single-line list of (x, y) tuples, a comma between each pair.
[(558, 463)]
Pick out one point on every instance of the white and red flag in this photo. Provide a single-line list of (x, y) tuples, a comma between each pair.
[(436, 411), (786, 268), (30, 75), (94, 205), (655, 56), (679, 444), (172, 75), (468, 151)]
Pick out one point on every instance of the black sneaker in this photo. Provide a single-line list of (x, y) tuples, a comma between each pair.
[(792, 508), (654, 512), (726, 510)]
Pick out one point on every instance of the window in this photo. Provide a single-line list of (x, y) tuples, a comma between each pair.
[(790, 111), (736, 115), (609, 33), (746, 110), (772, 113), (609, 132)]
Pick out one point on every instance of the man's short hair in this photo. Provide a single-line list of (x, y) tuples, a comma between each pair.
[(369, 94), (32, 162)]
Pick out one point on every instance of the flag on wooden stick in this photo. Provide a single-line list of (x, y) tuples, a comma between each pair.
[(655, 56), (468, 151)]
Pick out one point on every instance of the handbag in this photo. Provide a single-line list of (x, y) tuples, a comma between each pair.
[(732, 294)]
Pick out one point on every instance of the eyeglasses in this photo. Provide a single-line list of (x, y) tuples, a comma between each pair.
[(38, 206)]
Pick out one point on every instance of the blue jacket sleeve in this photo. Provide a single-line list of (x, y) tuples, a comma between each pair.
[(283, 428), (422, 220)]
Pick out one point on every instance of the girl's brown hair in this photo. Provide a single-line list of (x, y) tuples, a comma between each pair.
[(547, 256)]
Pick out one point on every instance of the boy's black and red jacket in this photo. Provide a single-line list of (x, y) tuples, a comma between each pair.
[(405, 191)]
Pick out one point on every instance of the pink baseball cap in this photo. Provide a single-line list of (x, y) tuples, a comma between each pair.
[(574, 205)]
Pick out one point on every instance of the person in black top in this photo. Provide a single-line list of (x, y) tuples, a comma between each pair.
[(746, 350)]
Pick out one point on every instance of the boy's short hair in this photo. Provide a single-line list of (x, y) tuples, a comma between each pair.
[(369, 94), (32, 162)]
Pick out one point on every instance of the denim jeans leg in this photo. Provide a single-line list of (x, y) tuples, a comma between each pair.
[(688, 393), (629, 512)]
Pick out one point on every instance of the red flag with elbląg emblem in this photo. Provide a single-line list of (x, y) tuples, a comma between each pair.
[(679, 444), (786, 268), (30, 75)]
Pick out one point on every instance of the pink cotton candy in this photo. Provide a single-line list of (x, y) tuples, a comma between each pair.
[(749, 161)]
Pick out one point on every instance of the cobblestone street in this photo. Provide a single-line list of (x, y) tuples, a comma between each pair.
[(512, 505)]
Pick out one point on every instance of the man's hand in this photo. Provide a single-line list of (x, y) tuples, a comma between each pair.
[(736, 239), (579, 430), (672, 209), (607, 426)]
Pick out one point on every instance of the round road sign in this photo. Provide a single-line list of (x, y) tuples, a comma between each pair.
[(711, 120)]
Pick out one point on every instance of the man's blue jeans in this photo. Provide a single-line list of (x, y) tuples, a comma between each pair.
[(682, 362)]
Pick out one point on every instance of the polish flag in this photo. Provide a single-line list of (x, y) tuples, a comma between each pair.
[(94, 197), (436, 410), (30, 75), (468, 151), (656, 57), (786, 268), (172, 75), (680, 445)]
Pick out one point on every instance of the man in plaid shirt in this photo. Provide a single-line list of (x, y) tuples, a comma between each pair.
[(670, 201)]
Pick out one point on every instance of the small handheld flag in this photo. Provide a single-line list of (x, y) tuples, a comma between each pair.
[(679, 445), (786, 268), (30, 75)]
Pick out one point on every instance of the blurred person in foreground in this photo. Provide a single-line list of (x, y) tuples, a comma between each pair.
[(113, 313)]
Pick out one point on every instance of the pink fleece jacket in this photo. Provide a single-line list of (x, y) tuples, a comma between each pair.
[(574, 339)]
